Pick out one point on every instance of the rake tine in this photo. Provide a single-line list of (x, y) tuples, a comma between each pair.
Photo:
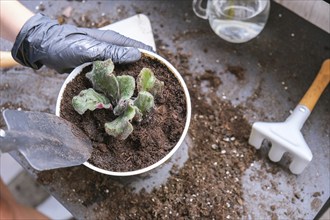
[(276, 152), (298, 165), (256, 138)]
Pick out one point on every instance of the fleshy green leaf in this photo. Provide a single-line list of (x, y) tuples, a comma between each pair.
[(147, 81), (126, 86), (103, 79), (130, 112), (88, 99), (121, 127), (144, 101), (158, 88)]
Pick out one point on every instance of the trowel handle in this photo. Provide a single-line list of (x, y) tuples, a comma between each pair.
[(315, 90), (6, 60)]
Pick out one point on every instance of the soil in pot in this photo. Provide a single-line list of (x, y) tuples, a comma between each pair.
[(151, 140)]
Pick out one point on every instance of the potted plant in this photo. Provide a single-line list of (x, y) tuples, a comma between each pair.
[(137, 115)]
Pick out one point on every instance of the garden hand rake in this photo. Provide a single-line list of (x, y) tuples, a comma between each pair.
[(286, 136)]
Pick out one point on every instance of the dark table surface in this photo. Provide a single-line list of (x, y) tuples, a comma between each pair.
[(280, 65)]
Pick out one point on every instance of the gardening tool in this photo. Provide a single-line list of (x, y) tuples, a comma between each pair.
[(45, 140), (6, 60), (286, 136)]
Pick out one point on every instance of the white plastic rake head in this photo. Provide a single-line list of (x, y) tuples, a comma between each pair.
[(286, 136)]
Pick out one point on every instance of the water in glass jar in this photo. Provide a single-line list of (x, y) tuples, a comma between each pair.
[(238, 21)]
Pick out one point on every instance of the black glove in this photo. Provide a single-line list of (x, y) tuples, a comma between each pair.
[(43, 41)]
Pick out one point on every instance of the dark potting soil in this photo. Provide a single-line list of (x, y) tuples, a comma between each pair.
[(152, 138)]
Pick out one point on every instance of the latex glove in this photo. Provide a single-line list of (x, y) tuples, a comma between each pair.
[(43, 41)]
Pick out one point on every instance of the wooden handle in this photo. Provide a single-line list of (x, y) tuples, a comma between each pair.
[(315, 90), (6, 60)]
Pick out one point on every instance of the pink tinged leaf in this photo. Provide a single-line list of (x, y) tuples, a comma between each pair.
[(103, 106)]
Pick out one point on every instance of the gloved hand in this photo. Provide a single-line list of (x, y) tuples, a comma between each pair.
[(43, 41)]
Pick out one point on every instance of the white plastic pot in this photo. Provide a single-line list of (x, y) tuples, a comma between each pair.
[(78, 70)]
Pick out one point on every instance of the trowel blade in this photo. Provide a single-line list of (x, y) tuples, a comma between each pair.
[(47, 141)]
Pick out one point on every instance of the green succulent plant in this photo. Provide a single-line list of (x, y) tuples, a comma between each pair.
[(116, 93)]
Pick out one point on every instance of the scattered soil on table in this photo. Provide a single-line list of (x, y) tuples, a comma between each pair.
[(237, 71), (211, 78), (152, 138)]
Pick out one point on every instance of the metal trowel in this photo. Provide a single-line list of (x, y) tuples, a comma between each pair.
[(45, 140)]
